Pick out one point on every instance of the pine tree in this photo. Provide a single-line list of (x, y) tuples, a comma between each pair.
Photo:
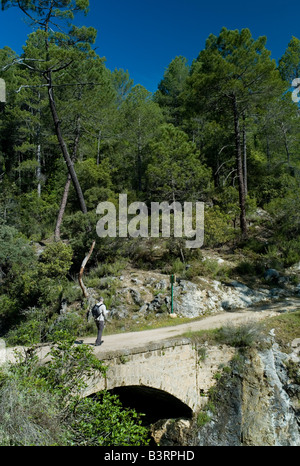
[(170, 89), (230, 77), (62, 45)]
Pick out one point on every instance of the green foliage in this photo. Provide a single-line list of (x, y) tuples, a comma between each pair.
[(41, 405), (70, 367), (104, 422), (33, 288), (217, 227), (42, 210), (247, 335), (293, 372), (174, 170), (46, 281), (170, 88), (242, 336), (286, 328), (108, 269), (90, 174), (30, 415), (289, 63), (202, 418), (8, 307), (32, 329), (16, 258), (178, 266), (15, 251), (207, 268), (56, 260)]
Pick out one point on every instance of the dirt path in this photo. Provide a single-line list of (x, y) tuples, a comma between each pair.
[(126, 341), (136, 339)]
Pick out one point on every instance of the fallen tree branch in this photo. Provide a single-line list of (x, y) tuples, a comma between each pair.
[(84, 262)]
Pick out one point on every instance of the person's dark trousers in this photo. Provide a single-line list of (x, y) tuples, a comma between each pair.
[(100, 327)]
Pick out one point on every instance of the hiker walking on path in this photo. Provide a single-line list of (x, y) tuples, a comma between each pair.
[(99, 313)]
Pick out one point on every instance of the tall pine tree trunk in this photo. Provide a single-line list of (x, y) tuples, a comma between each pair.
[(38, 170), (39, 150), (48, 76), (98, 147), (268, 154), (239, 167), (139, 157), (286, 146), (63, 145), (245, 171)]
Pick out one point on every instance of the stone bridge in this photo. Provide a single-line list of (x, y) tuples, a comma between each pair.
[(169, 377)]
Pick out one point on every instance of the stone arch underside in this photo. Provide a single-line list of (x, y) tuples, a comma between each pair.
[(154, 403)]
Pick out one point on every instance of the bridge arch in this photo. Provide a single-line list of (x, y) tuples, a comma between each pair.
[(169, 372), (154, 403)]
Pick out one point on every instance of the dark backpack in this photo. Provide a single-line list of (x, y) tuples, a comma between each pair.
[(96, 311)]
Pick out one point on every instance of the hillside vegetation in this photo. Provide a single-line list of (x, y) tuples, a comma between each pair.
[(222, 131)]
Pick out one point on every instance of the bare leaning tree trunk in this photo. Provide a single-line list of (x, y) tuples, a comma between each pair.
[(64, 199), (80, 277), (62, 208)]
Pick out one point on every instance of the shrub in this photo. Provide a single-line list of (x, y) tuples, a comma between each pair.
[(246, 335), (178, 266), (41, 404), (217, 228), (202, 418), (103, 421), (56, 260), (30, 416)]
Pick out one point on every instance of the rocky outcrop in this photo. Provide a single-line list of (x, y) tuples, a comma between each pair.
[(208, 296), (257, 403), (150, 294), (170, 432), (254, 406)]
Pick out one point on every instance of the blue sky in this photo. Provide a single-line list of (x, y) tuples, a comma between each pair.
[(144, 36)]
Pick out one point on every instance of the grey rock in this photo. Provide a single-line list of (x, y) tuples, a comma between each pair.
[(136, 296), (161, 285), (143, 310), (136, 281), (271, 275), (119, 314), (156, 303), (255, 407)]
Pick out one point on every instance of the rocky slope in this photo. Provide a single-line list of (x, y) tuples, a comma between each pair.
[(255, 404), (142, 294)]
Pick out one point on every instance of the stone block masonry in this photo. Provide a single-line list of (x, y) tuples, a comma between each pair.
[(173, 366)]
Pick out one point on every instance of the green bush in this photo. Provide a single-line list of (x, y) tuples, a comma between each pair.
[(202, 418), (37, 215), (31, 328), (103, 421), (246, 335), (178, 266), (41, 404), (56, 260), (208, 268), (8, 307), (30, 415), (217, 227)]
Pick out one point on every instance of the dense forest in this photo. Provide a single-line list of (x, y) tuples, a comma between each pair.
[(223, 130)]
